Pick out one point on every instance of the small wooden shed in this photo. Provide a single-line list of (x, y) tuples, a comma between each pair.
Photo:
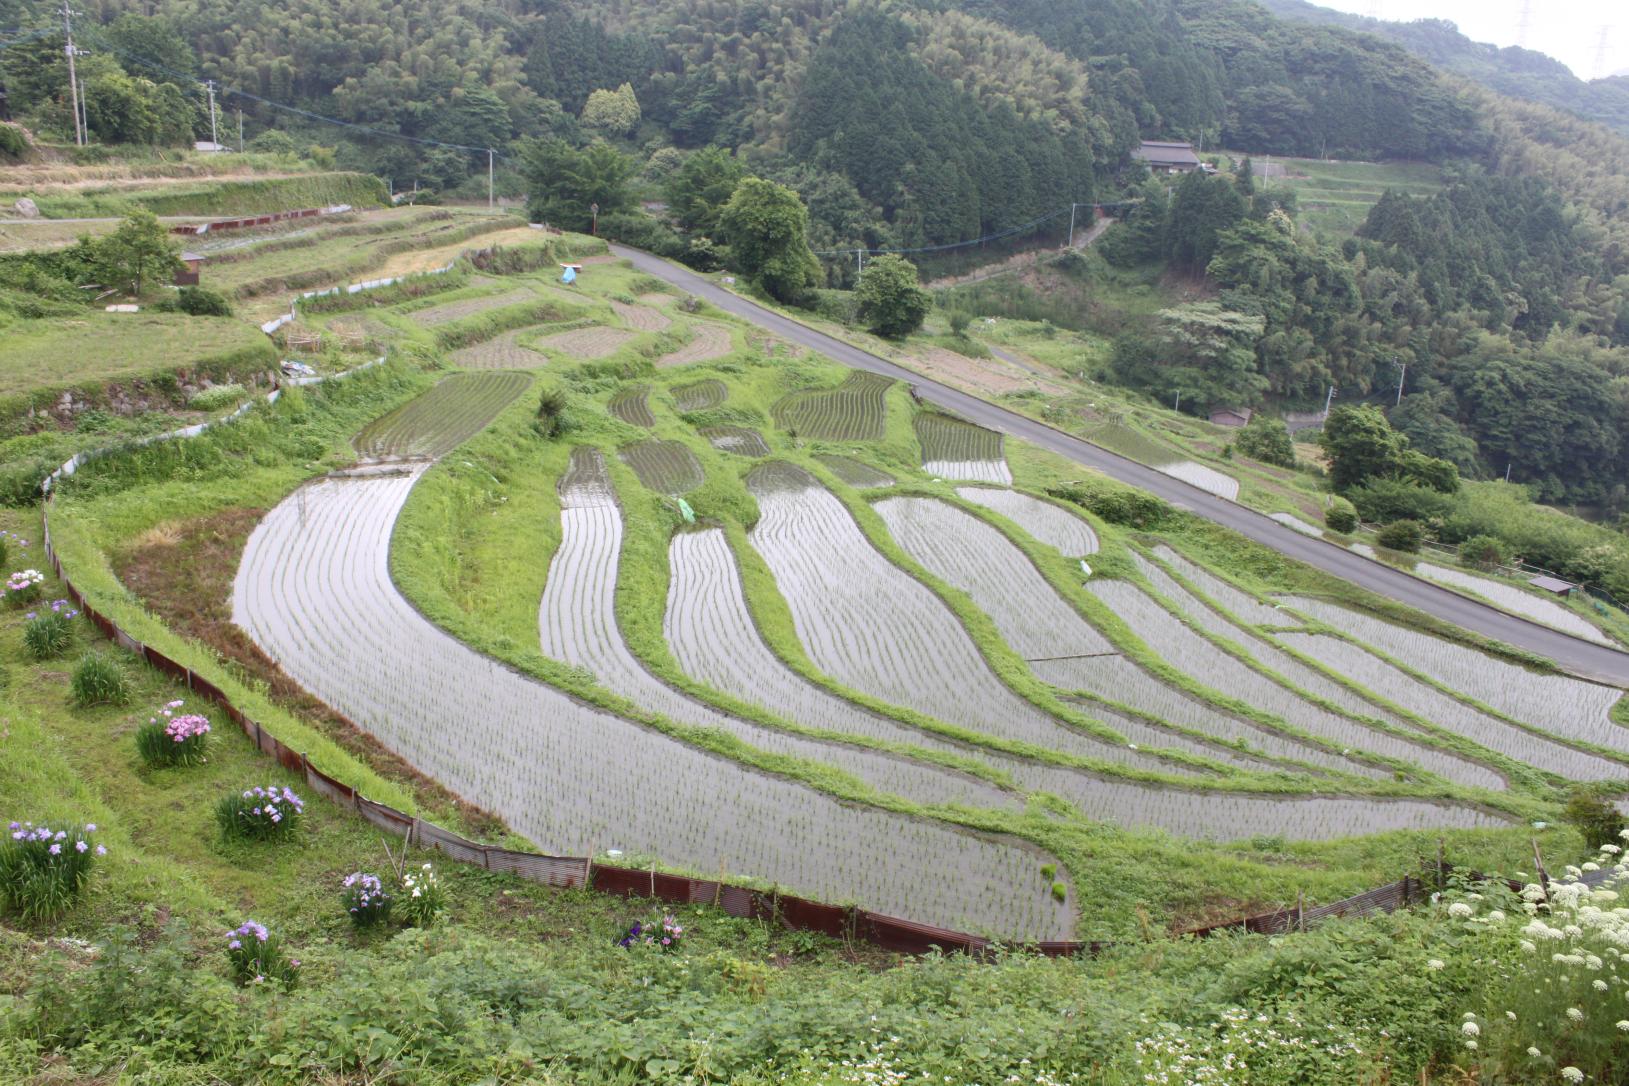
[(1230, 416), (194, 263), (1553, 584)]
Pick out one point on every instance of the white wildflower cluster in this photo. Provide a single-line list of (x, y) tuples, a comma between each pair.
[(1242, 1048), (1556, 972), (889, 1064)]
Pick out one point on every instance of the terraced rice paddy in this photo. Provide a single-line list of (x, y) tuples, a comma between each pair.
[(1296, 524), (577, 626), (632, 405), (442, 419), (1061, 646), (1237, 602), (1216, 670), (1562, 706), (501, 352), (873, 627), (953, 449), (667, 467), (641, 318), (855, 473), (700, 395), (587, 343), (1207, 479), (1510, 598), (739, 440), (707, 342), (853, 411), (447, 312), (1426, 701), (314, 591), (1051, 524)]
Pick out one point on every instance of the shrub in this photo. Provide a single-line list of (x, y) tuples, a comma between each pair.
[(1133, 508), (423, 900), (959, 320), (13, 143), (170, 740), (260, 814), (366, 899), (256, 957), (1403, 535), (200, 302), (553, 419), (99, 680), (1267, 440), (215, 397), (1341, 516), (23, 587), (49, 633), (1594, 817), (664, 934), (1483, 552), (43, 870), (1385, 500)]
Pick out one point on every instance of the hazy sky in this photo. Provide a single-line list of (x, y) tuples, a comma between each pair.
[(1569, 30)]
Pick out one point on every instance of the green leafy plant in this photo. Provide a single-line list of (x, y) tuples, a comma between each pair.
[(256, 957), (1403, 535), (272, 813), (367, 902), (43, 870), (1594, 817), (98, 679), (169, 739), (1341, 516), (1484, 552), (423, 899), (49, 633)]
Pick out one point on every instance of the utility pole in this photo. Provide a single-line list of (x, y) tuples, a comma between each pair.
[(1401, 377), (84, 110), (240, 130), (1072, 207), (1329, 399), (1507, 471), (73, 76), (1178, 405), (212, 136), (490, 203)]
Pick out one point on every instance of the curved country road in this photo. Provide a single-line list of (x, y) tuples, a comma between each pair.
[(1582, 658)]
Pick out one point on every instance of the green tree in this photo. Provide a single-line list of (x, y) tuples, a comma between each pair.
[(698, 190), (139, 252), (565, 182), (616, 112), (890, 299), (1202, 208), (1360, 444), (1267, 440), (1202, 350), (766, 226)]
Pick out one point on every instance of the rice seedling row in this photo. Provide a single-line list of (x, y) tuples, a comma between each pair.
[(1051, 524), (1059, 644), (641, 318), (847, 609), (853, 411), (1362, 666), (1206, 479), (437, 422), (667, 467), (739, 440), (953, 449), (632, 405), (1239, 603), (700, 395), (447, 312), (1563, 706), (1263, 651), (577, 626), (707, 342), (1296, 524), (854, 472), (587, 343), (314, 591), (503, 352), (1216, 670), (873, 627), (1510, 598)]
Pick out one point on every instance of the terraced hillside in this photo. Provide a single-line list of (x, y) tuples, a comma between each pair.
[(835, 665)]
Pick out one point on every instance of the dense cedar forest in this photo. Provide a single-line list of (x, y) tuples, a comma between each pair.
[(912, 125)]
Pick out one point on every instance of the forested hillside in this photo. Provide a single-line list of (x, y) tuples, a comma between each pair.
[(920, 125), (1514, 71)]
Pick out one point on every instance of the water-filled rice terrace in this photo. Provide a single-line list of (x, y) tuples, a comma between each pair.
[(853, 677)]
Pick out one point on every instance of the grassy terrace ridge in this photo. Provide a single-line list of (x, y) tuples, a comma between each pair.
[(202, 197)]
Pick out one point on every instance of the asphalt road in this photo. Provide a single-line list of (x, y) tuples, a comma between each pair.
[(1582, 658)]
